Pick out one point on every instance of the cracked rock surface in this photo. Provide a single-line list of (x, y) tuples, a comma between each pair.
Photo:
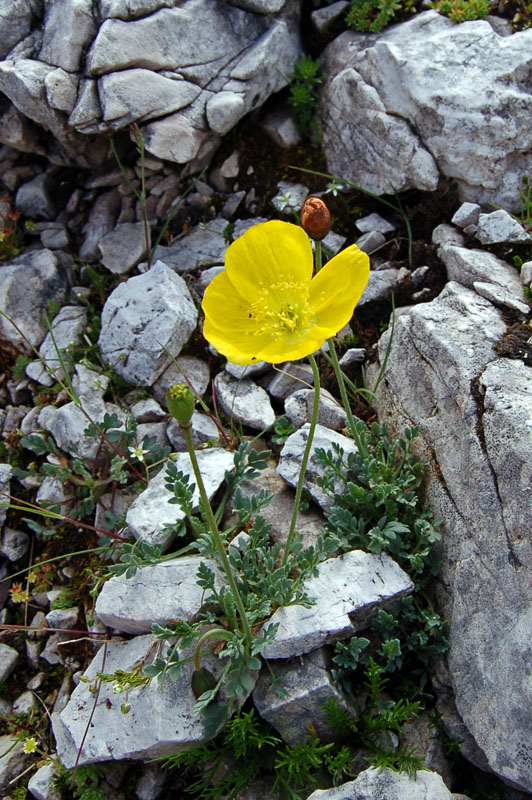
[(429, 97), (474, 411), (187, 72)]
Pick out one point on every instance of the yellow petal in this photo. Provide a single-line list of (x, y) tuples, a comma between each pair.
[(293, 349), (228, 324), (337, 288), (269, 254)]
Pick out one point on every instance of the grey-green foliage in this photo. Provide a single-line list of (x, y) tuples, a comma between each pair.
[(263, 582), (378, 508)]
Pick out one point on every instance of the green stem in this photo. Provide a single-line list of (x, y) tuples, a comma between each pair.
[(352, 424), (217, 633), (216, 535), (304, 462)]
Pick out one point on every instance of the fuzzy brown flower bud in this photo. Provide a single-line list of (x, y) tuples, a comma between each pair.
[(315, 218)]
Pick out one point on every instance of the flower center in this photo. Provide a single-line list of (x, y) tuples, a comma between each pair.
[(283, 308)]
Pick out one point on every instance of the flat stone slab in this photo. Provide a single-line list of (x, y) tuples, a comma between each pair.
[(161, 719), (157, 593), (151, 511), (348, 591)]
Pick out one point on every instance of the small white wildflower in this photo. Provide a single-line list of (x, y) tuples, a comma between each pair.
[(117, 688), (138, 453), (285, 201), (335, 188)]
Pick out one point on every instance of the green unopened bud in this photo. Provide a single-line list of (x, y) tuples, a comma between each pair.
[(202, 681), (180, 402)]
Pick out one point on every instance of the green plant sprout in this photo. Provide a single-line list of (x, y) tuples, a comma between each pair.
[(373, 15), (304, 83), (463, 10)]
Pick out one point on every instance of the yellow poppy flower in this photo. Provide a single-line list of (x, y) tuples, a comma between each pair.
[(266, 306)]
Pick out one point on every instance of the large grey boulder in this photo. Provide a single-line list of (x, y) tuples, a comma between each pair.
[(187, 72), (474, 410), (428, 97)]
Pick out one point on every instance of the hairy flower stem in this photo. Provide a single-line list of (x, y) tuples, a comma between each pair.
[(352, 424), (246, 630), (304, 462)]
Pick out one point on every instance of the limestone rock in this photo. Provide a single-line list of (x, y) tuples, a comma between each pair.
[(102, 218), (68, 423), (144, 318), (203, 429), (66, 328), (131, 604), (202, 247), (499, 226), (278, 512), (488, 275), (467, 214), (375, 783), (34, 199), (13, 763), (14, 544), (292, 453), (16, 17), (151, 511), (8, 658), (27, 285), (42, 786), (243, 401), (69, 27), (380, 284), (288, 378), (428, 96), (348, 591), (114, 735), (308, 686), (151, 62), (298, 409), (374, 222), (186, 369), (478, 479), (123, 247)]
